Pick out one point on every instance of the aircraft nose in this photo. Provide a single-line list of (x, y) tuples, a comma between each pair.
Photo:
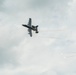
[(23, 25)]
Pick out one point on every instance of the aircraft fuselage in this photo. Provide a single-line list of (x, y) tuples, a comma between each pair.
[(34, 28)]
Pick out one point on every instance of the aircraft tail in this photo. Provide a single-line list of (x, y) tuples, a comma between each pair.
[(37, 29)]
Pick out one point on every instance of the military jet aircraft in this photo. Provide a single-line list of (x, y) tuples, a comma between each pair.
[(31, 27)]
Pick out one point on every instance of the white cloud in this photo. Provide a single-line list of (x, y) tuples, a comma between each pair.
[(41, 54)]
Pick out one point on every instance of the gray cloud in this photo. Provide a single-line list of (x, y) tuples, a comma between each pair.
[(7, 58), (1, 3), (49, 4)]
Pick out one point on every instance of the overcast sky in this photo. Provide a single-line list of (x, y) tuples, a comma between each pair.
[(52, 51)]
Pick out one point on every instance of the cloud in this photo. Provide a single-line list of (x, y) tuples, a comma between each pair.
[(41, 54), (1, 3)]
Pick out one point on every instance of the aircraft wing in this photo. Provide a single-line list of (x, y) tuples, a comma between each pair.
[(29, 24), (30, 32), (29, 29)]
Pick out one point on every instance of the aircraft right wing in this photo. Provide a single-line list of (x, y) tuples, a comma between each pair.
[(29, 23)]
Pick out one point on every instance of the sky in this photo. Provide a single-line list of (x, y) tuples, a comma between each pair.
[(52, 51)]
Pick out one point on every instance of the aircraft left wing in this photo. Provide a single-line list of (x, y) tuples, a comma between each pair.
[(30, 32)]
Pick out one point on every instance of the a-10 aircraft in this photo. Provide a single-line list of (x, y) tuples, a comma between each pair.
[(31, 27)]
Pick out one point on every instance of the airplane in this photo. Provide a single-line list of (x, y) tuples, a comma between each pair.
[(31, 27)]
